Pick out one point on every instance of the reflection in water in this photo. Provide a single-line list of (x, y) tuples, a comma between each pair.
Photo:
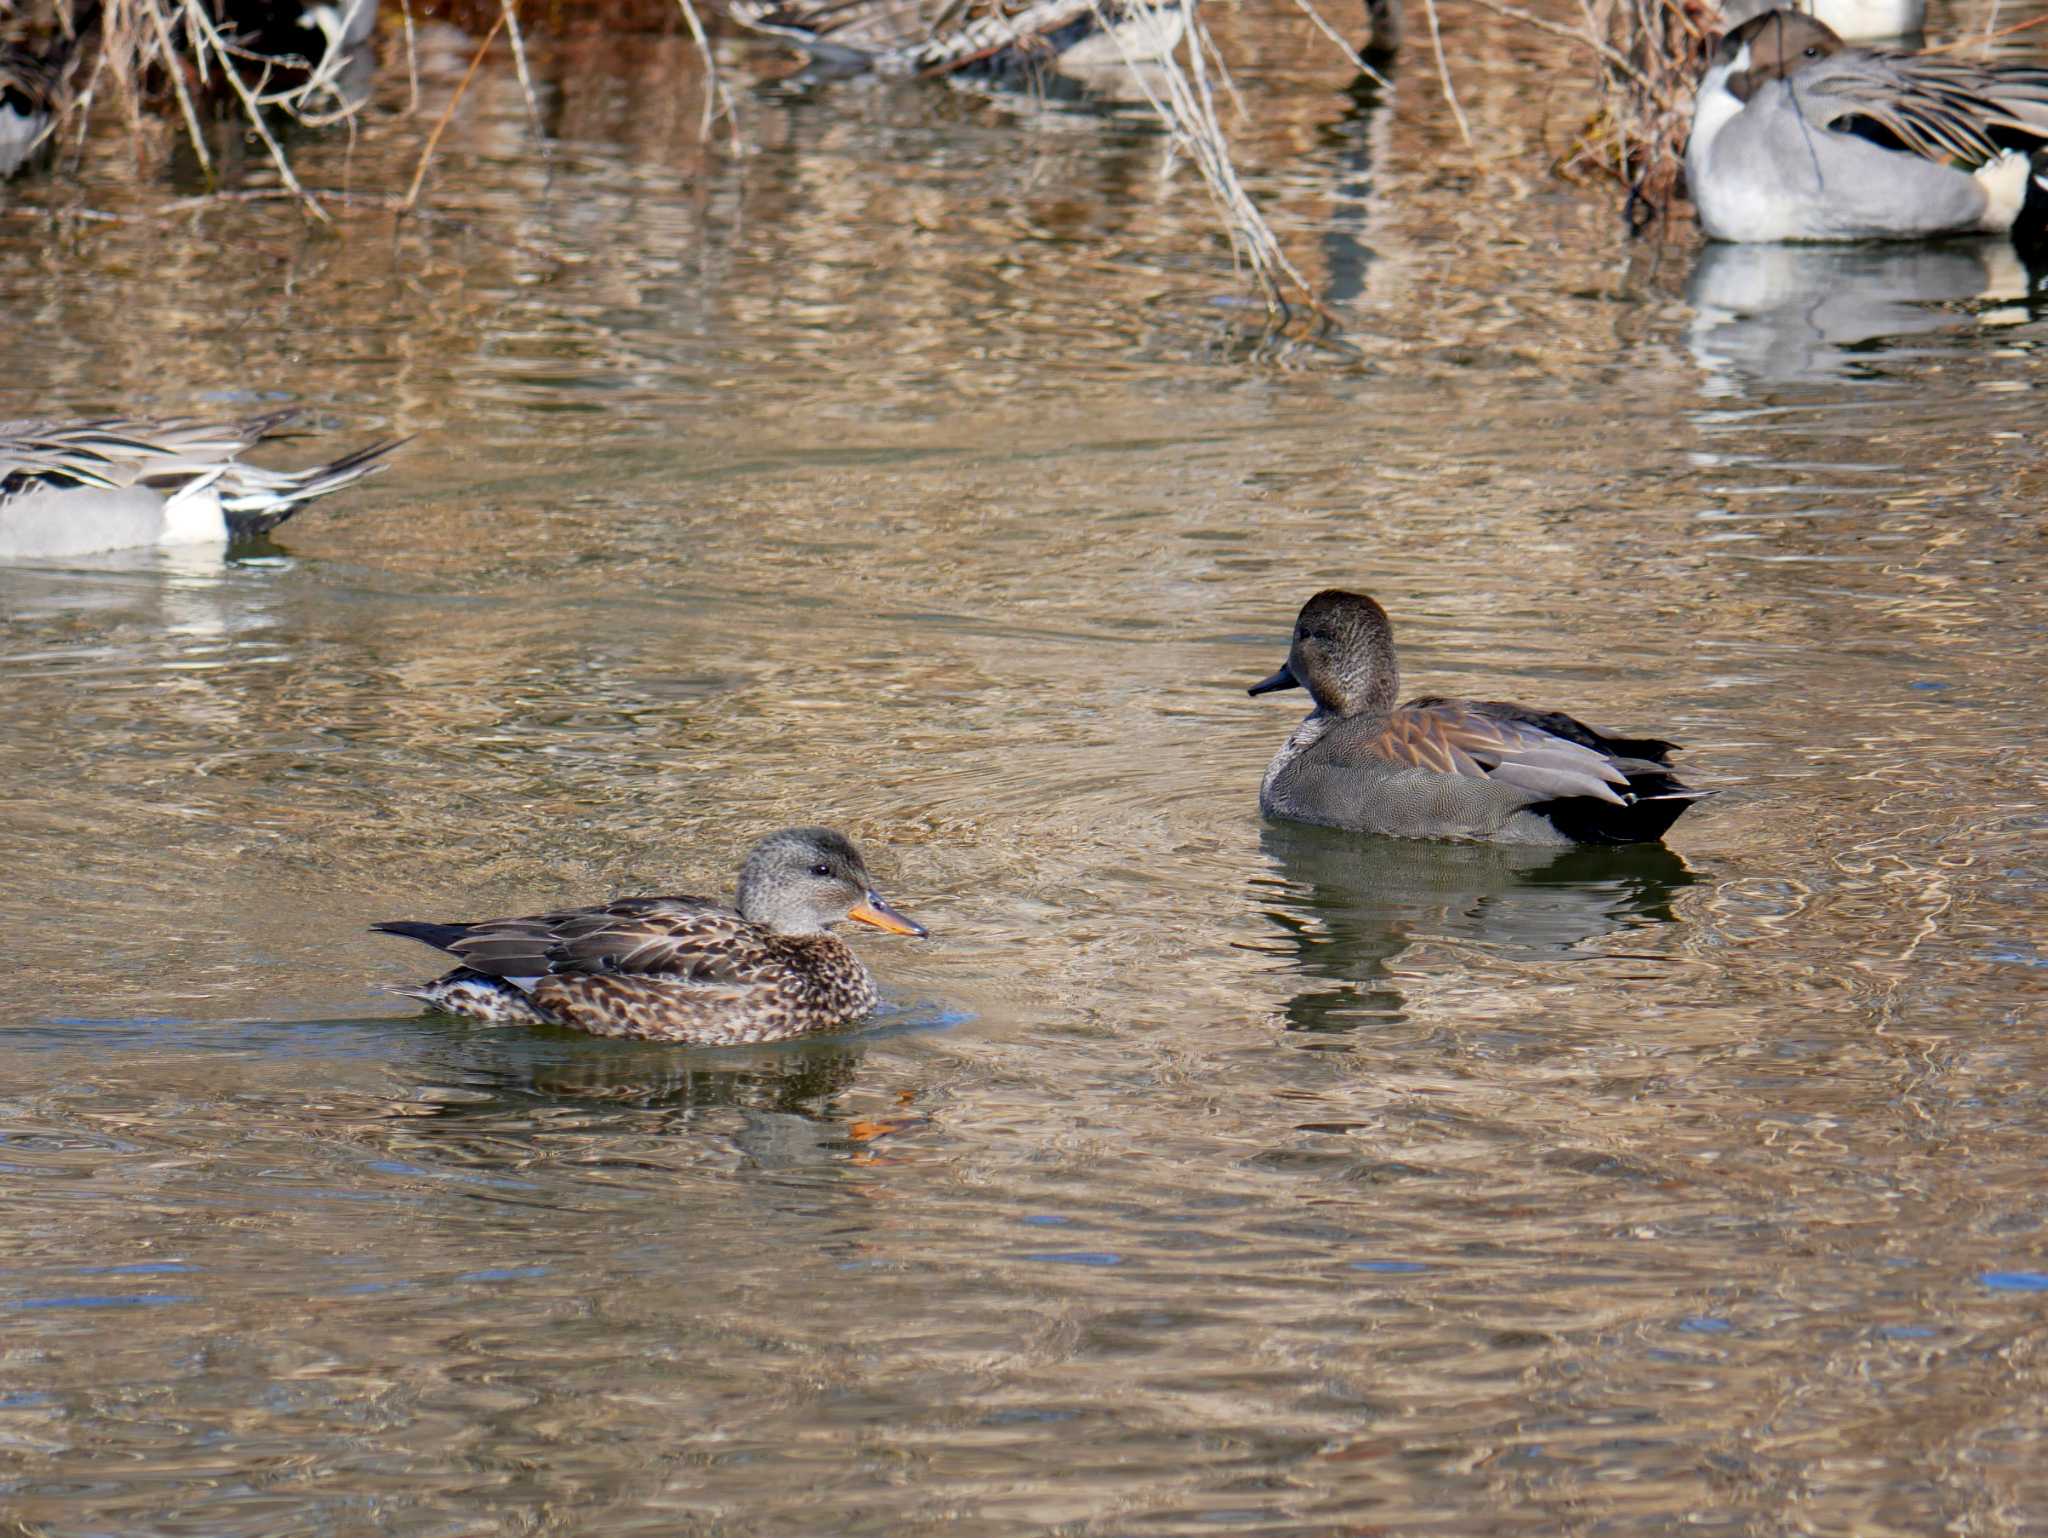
[(892, 471), (1786, 314), (1349, 905), (503, 1087)]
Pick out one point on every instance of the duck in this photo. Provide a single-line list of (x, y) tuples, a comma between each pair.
[(943, 37), (1796, 135), (1853, 21), (686, 970), (1480, 770), (78, 488), (30, 84)]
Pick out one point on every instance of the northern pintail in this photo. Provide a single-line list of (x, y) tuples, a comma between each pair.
[(1798, 136), (680, 969), (1854, 21), (74, 488), (29, 83), (938, 37), (1445, 768)]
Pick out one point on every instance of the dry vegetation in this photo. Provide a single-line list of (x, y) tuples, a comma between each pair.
[(184, 61)]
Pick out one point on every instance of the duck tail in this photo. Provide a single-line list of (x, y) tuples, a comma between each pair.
[(440, 936), (256, 501), (1655, 802)]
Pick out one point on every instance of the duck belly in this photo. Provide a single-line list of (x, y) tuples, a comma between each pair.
[(52, 522), (1769, 175)]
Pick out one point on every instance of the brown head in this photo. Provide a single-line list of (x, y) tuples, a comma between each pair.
[(802, 881), (1343, 654), (1779, 43)]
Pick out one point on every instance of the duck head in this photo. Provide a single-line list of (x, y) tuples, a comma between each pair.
[(1771, 47), (802, 881), (1342, 653)]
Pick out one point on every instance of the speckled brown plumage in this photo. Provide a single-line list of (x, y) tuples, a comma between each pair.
[(679, 969)]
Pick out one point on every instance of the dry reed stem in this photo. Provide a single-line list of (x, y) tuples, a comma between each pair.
[(412, 59), (195, 16), (419, 175), (509, 13), (1188, 109), (717, 96), (163, 37), (1352, 55), (1443, 73)]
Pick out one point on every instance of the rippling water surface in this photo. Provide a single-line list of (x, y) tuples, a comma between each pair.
[(920, 469)]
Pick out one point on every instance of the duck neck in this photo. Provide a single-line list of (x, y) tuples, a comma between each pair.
[(1367, 694)]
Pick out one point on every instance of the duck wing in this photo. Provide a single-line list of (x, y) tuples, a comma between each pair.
[(695, 939), (114, 452), (1648, 750), (1500, 746), (1939, 108)]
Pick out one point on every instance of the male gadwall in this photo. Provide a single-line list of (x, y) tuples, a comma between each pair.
[(74, 488), (937, 37), (1444, 768), (1798, 136), (680, 969)]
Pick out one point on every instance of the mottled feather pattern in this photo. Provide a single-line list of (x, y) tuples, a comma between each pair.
[(677, 969), (928, 36)]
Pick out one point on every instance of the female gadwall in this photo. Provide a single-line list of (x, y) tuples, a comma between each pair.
[(73, 488), (1797, 136), (1443, 768), (680, 969), (938, 37)]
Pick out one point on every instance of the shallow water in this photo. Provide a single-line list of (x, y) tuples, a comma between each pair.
[(921, 470)]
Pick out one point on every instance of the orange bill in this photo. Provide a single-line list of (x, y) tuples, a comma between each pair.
[(871, 909)]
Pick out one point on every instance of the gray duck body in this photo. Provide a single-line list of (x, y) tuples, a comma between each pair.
[(1444, 768), (689, 970)]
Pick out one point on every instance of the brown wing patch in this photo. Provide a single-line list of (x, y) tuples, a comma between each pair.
[(1445, 739), (1454, 737)]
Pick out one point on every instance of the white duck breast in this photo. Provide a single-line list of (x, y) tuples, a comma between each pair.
[(1797, 136), (78, 488)]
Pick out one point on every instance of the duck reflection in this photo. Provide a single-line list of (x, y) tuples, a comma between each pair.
[(536, 1087), (1348, 904), (1788, 314)]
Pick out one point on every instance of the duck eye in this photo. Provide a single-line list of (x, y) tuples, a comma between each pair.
[(1813, 52), (821, 869)]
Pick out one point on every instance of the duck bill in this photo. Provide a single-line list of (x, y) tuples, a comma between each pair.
[(1284, 679), (871, 909)]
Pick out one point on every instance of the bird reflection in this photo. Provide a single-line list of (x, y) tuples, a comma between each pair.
[(519, 1085), (1788, 314), (1347, 904)]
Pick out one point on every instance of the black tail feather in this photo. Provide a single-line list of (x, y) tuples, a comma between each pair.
[(1659, 801), (440, 936)]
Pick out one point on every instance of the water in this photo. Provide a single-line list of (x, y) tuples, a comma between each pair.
[(920, 471)]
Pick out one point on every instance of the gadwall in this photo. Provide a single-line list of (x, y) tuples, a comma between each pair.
[(680, 969), (1444, 768), (937, 37), (1798, 136), (74, 488)]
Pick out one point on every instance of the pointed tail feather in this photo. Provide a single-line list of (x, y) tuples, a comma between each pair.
[(256, 501)]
